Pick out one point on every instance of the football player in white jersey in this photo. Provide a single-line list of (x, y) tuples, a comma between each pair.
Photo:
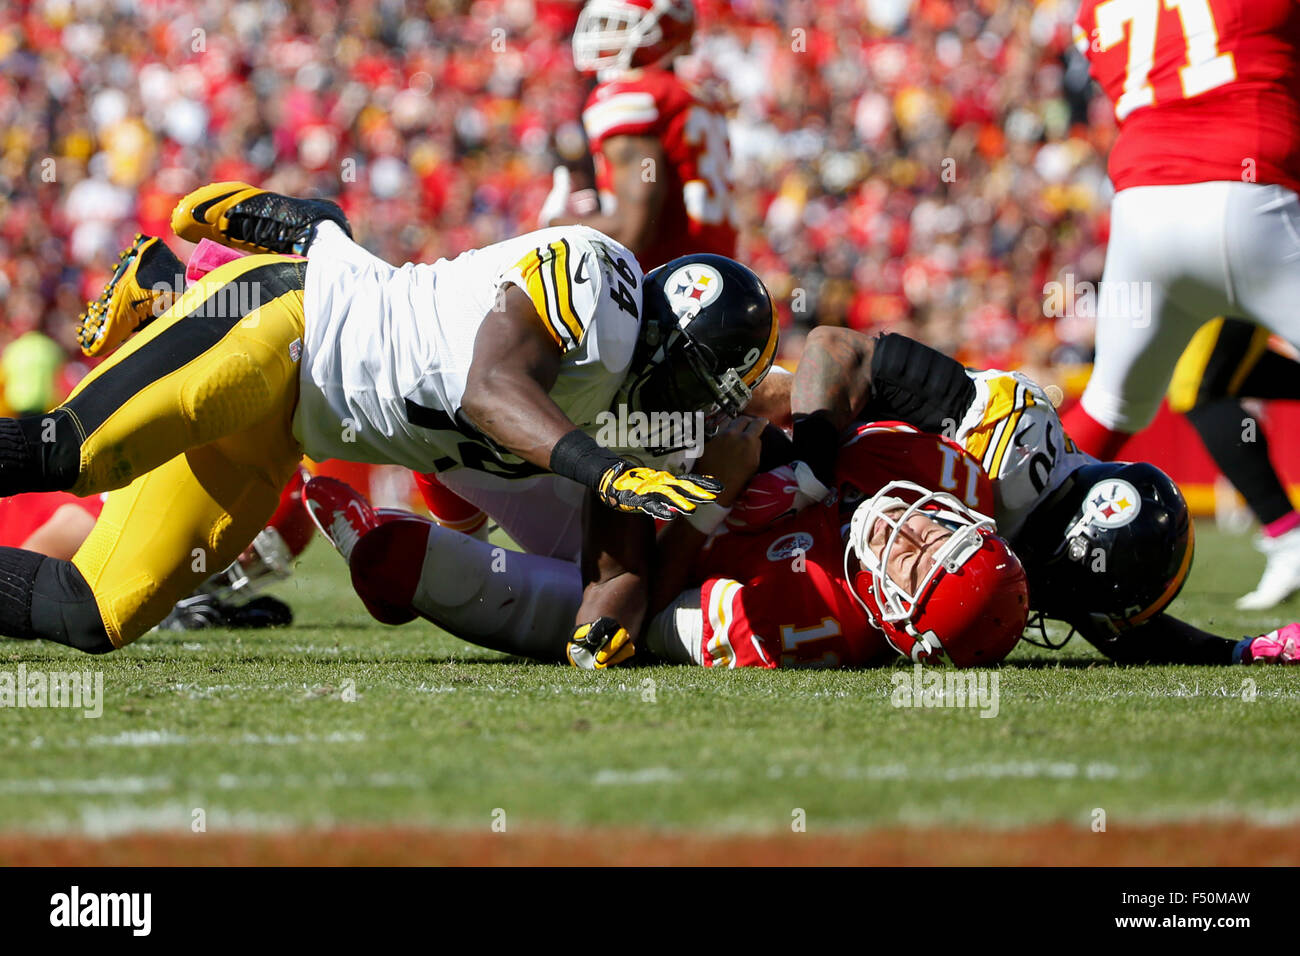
[(499, 360), (1107, 546)]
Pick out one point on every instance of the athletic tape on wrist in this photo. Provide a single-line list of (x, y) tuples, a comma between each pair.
[(706, 517), (578, 456)]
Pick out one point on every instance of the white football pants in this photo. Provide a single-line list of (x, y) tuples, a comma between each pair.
[(1180, 256)]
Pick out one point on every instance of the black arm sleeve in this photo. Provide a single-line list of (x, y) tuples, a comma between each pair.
[(1161, 640), (913, 383)]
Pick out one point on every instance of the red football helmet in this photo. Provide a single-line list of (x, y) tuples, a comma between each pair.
[(971, 605), (616, 35)]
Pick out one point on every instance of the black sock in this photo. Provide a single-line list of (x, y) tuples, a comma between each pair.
[(39, 453), (47, 598), (17, 579), (1224, 427), (64, 609)]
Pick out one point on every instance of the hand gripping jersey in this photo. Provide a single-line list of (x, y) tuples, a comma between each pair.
[(388, 350), (696, 214), (1013, 430), (779, 598), (1204, 90)]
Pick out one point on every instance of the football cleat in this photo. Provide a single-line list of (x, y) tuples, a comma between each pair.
[(201, 611), (341, 513), (146, 281), (252, 219), (1281, 577), (1276, 647)]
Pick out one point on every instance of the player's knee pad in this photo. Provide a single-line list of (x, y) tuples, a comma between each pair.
[(919, 385), (225, 395), (386, 565)]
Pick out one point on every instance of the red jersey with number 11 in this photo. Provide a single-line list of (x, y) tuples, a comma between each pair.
[(779, 598), (1204, 90)]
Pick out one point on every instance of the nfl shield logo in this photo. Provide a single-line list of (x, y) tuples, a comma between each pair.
[(295, 350)]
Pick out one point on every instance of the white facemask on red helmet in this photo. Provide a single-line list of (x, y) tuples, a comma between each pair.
[(616, 35), (972, 602)]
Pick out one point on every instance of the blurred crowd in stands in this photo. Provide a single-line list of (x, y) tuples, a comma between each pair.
[(922, 165)]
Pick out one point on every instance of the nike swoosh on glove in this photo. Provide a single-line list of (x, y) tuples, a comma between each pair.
[(660, 494)]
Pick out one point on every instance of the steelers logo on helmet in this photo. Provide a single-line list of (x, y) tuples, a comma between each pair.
[(691, 288), (1112, 503)]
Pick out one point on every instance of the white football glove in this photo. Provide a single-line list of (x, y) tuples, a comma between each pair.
[(557, 200)]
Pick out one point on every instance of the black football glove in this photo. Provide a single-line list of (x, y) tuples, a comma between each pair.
[(660, 494)]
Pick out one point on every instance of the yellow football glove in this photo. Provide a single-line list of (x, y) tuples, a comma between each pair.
[(659, 494), (600, 644)]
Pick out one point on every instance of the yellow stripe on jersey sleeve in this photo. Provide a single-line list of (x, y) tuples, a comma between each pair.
[(1001, 402), (1008, 435), (988, 441), (548, 287)]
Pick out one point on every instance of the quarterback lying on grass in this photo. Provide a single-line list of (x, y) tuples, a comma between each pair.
[(882, 566), (1105, 546)]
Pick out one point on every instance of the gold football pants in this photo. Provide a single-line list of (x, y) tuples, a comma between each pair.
[(1216, 362), (189, 428)]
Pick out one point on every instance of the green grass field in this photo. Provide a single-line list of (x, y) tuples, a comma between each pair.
[(342, 721)]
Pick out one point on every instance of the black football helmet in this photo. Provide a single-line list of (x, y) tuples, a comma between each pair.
[(708, 337), (1112, 546)]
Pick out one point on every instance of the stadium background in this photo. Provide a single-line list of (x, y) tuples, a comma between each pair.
[(918, 165)]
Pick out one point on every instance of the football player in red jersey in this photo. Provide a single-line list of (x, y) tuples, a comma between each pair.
[(48, 522), (661, 151), (1107, 545), (1206, 170), (884, 565), (921, 572)]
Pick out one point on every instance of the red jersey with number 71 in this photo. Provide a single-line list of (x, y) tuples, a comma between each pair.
[(696, 213), (1204, 90)]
